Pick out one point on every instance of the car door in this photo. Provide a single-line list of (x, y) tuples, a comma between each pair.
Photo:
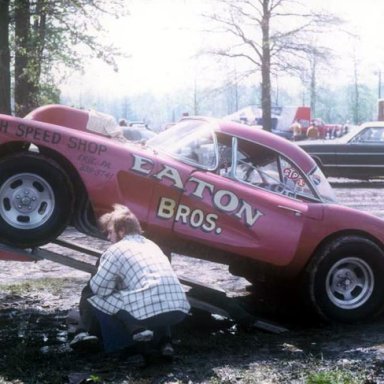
[(257, 219), (364, 154)]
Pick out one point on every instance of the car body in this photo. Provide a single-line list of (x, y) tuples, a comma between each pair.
[(207, 188), (357, 155)]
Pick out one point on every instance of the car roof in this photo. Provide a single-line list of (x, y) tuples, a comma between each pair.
[(268, 139), (373, 124)]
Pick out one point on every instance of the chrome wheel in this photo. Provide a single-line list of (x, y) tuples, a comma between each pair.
[(350, 283), (27, 201)]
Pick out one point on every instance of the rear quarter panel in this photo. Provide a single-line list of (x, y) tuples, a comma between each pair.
[(99, 161)]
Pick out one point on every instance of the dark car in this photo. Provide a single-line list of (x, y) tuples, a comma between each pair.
[(357, 155)]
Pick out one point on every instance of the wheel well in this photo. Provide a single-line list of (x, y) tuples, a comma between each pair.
[(83, 218), (338, 235)]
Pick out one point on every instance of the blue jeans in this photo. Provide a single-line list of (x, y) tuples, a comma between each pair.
[(116, 330)]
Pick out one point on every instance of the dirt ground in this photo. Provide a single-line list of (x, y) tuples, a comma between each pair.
[(210, 349)]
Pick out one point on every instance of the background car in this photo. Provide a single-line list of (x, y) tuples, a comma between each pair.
[(357, 155), (206, 188)]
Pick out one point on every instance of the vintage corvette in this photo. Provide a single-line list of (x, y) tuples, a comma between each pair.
[(357, 155), (211, 189)]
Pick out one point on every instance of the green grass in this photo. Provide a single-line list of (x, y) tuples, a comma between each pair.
[(52, 285), (336, 376)]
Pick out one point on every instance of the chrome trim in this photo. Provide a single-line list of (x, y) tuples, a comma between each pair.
[(295, 211)]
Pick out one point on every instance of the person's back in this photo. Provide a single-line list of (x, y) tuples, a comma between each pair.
[(313, 132), (296, 130), (147, 283)]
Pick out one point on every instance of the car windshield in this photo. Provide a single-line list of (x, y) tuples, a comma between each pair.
[(192, 141), (323, 188)]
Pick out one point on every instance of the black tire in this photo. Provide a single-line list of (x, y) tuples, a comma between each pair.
[(36, 200), (344, 282)]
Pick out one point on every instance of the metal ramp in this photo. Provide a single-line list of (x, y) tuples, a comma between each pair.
[(201, 296)]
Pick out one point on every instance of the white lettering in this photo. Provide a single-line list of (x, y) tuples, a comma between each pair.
[(223, 200), (182, 214), (210, 225), (197, 218), (201, 185), (140, 164), (166, 208), (172, 174), (226, 200), (250, 216)]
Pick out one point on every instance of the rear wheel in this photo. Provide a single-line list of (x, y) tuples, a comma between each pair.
[(345, 280), (36, 200)]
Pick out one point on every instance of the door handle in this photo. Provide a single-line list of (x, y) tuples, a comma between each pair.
[(295, 211)]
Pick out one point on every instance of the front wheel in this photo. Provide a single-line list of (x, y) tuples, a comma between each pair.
[(345, 280), (36, 200)]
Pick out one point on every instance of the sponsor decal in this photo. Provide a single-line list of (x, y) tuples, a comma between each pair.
[(195, 218), (36, 134), (90, 152), (95, 166), (293, 174), (3, 126), (86, 146), (223, 200)]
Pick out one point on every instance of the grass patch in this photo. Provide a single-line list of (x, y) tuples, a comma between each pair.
[(336, 376), (53, 285)]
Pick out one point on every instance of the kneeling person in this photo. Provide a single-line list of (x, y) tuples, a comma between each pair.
[(135, 287)]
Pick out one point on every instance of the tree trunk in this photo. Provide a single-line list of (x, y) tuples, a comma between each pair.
[(313, 83), (5, 60), (266, 104), (25, 77)]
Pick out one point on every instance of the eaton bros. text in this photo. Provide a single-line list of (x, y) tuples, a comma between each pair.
[(223, 200)]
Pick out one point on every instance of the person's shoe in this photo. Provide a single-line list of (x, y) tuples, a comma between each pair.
[(167, 350), (146, 335), (84, 342)]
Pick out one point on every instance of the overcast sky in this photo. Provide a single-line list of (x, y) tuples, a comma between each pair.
[(162, 37)]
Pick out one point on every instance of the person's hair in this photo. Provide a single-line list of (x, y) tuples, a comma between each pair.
[(122, 218)]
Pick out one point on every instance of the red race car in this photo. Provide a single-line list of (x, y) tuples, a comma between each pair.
[(211, 189)]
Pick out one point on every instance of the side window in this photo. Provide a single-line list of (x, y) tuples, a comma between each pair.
[(264, 168), (205, 152), (371, 135), (198, 149)]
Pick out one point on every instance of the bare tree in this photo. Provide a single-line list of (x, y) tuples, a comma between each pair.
[(5, 59), (271, 35), (314, 60)]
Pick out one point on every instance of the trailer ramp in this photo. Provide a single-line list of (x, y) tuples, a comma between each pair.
[(200, 295)]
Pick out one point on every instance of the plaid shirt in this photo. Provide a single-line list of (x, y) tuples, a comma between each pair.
[(135, 275)]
